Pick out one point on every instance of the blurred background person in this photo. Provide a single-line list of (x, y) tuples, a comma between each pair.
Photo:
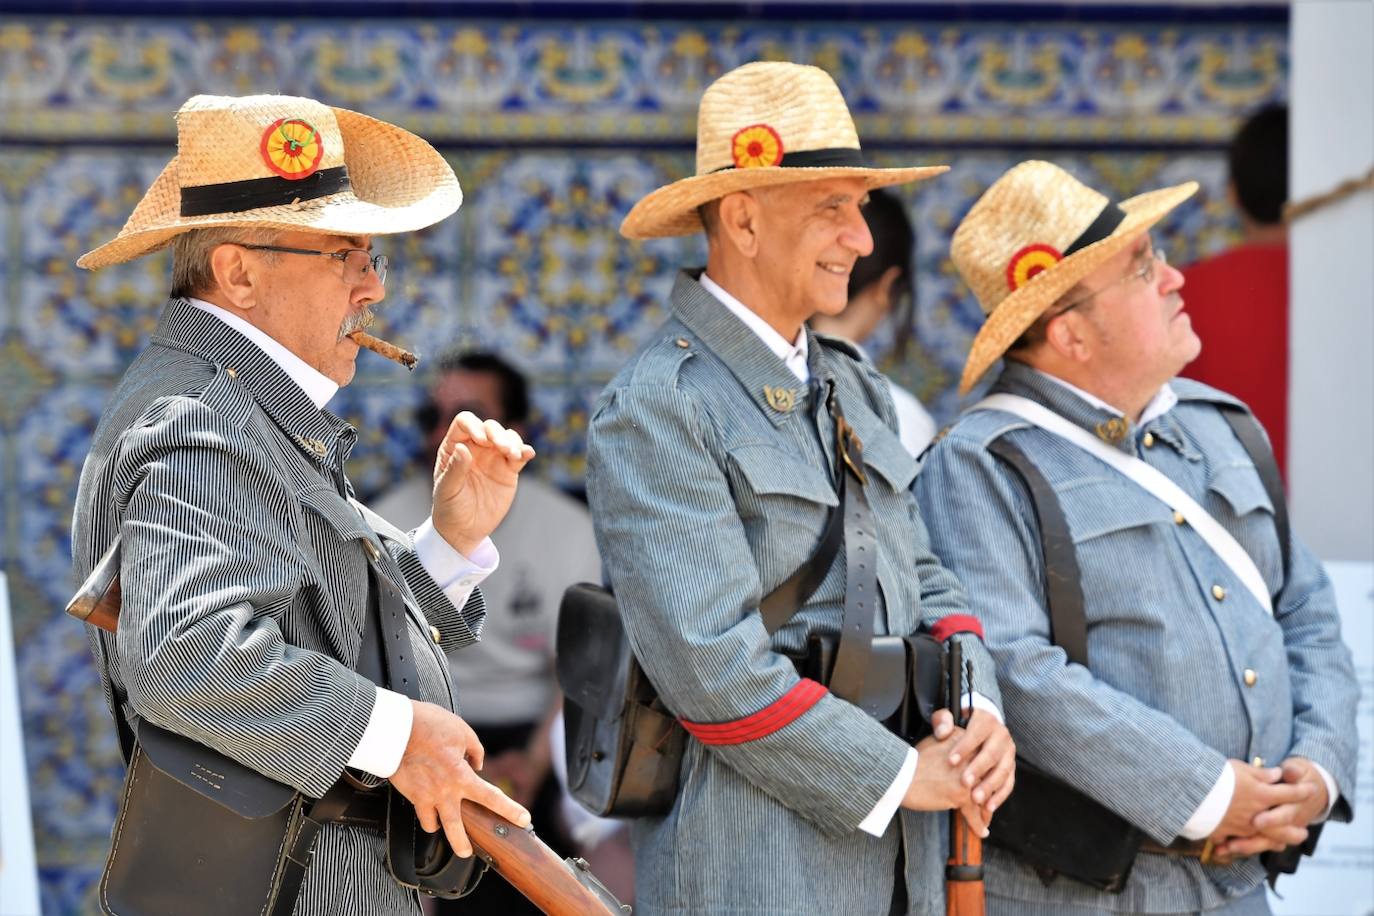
[(882, 287), (1239, 299), (506, 680)]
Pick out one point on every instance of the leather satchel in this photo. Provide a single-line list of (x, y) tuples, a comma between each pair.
[(196, 825), (624, 747)]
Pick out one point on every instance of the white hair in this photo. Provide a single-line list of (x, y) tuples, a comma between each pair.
[(191, 273)]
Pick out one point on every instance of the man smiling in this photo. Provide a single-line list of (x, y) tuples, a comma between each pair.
[(252, 581), (712, 470)]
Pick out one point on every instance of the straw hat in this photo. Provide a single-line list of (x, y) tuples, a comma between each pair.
[(280, 162), (1031, 236), (763, 124)]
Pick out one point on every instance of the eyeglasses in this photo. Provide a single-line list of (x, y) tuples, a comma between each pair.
[(1147, 260), (357, 261)]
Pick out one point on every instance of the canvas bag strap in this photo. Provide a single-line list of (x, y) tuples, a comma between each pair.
[(1152, 481)]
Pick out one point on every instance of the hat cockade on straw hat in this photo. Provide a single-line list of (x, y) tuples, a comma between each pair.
[(281, 162), (1031, 236), (761, 124)]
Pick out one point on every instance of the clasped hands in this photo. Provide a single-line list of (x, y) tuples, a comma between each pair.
[(1271, 808), (972, 769)]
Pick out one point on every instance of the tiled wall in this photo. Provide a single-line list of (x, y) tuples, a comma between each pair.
[(554, 129)]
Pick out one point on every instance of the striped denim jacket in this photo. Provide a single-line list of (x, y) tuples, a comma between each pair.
[(244, 576), (1171, 630), (709, 478)]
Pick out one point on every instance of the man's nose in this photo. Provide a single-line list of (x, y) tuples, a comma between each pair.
[(856, 236)]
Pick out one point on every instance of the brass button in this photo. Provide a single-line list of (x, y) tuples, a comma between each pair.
[(1178, 518), (1148, 440), (1218, 593), (1250, 677), (682, 342), (434, 634), (231, 372), (1258, 761), (371, 549)]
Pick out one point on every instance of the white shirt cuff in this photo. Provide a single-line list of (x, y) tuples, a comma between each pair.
[(386, 736), (456, 574), (1208, 815), (1331, 792), (976, 700), (881, 815)]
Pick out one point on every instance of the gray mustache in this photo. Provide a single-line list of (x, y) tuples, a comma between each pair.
[(356, 322)]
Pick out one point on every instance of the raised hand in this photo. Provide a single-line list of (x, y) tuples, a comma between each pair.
[(437, 772), (475, 473)]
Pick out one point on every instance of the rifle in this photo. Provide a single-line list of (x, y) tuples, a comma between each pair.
[(964, 870), (558, 886)]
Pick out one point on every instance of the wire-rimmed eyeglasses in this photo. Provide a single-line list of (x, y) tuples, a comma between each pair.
[(1144, 270), (357, 261)]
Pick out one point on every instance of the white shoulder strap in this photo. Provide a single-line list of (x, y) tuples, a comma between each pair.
[(1149, 479)]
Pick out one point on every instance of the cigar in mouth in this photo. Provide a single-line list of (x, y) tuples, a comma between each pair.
[(384, 348)]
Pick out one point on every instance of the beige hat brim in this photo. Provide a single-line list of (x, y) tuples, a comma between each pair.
[(399, 183), (1019, 310), (672, 209)]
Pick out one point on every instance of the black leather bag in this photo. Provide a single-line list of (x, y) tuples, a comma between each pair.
[(624, 748), (195, 825)]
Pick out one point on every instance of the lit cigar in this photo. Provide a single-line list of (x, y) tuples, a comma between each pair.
[(384, 348)]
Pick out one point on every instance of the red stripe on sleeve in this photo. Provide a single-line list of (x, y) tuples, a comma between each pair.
[(946, 627), (783, 711)]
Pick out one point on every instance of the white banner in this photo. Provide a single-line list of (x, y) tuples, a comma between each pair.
[(1339, 879), (18, 872)]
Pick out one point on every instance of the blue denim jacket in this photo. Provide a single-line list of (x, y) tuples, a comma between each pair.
[(1148, 729), (706, 493)]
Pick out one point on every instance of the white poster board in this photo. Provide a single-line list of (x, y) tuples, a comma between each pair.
[(1339, 879), (18, 870)]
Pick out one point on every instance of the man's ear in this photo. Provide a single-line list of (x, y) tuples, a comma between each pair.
[(739, 218), (235, 277), (1066, 335)]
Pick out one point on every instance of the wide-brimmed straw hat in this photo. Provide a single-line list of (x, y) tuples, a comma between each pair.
[(763, 124), (281, 162), (1031, 236)]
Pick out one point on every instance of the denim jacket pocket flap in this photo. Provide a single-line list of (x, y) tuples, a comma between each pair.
[(884, 453), (770, 470), (1100, 507), (1240, 486)]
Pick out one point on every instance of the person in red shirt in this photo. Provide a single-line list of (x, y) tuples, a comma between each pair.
[(1238, 299)]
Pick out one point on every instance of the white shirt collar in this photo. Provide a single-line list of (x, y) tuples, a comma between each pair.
[(1163, 401), (793, 355), (316, 385)]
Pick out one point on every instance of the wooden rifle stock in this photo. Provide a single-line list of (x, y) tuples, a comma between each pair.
[(98, 599), (559, 887), (964, 870)]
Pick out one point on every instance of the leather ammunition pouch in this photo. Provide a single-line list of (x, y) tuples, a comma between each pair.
[(904, 685)]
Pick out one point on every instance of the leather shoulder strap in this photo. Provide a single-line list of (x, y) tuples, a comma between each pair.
[(1251, 436), (1063, 580), (778, 606)]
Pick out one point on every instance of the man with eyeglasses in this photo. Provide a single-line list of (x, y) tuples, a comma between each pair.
[(1164, 652), (252, 580)]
